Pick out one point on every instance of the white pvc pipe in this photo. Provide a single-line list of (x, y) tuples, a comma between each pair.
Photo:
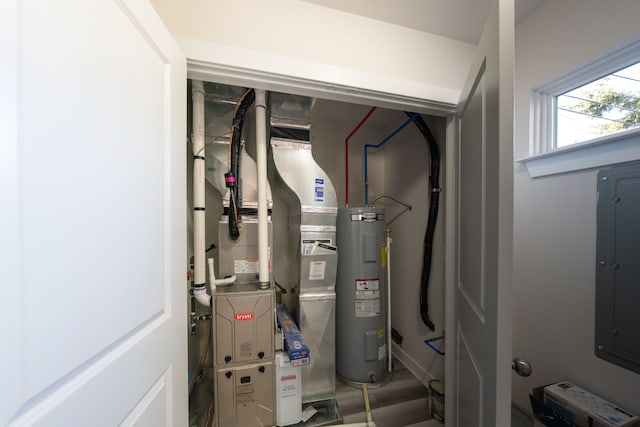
[(213, 282), (261, 160), (202, 296), (199, 251), (212, 275), (389, 240)]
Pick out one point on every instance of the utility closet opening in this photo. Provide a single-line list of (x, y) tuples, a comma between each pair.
[(330, 289)]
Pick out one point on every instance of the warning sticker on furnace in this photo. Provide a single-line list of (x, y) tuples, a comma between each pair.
[(368, 308), (246, 266), (317, 269)]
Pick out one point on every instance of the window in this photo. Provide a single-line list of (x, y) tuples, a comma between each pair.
[(606, 106), (589, 117)]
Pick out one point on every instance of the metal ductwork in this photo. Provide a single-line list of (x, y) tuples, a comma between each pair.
[(235, 257), (220, 101), (313, 209)]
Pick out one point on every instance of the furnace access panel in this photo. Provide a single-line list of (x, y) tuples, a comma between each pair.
[(243, 333)]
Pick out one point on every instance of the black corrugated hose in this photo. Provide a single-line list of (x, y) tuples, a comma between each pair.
[(236, 139), (434, 173)]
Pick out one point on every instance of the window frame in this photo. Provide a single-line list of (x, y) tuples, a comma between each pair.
[(544, 158)]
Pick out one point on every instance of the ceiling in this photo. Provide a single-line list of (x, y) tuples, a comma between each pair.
[(456, 19)]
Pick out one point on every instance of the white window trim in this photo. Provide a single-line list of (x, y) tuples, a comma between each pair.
[(544, 159)]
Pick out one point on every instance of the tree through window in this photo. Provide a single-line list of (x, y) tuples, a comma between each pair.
[(608, 105)]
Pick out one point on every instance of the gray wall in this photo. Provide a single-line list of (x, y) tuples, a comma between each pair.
[(555, 217)]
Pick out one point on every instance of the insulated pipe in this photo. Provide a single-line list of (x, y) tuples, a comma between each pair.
[(378, 145), (263, 215), (232, 177), (346, 155), (389, 241), (431, 221), (199, 250)]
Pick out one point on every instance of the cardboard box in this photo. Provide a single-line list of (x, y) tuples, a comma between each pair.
[(584, 409), (543, 415), (293, 342)]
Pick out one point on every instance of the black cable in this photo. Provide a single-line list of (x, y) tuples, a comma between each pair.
[(234, 173), (432, 219)]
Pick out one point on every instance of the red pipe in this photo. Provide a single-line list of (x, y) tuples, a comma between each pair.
[(346, 156)]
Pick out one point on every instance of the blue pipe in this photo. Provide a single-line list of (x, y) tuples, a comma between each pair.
[(430, 341), (380, 144)]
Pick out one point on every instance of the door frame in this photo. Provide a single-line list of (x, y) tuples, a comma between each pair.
[(232, 75), (227, 74)]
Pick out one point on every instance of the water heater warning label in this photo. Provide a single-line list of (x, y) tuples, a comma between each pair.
[(368, 298), (368, 294), (368, 308), (367, 285)]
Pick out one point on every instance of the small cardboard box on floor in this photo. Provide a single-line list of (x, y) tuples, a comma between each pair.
[(564, 404)]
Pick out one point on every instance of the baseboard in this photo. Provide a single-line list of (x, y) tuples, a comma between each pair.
[(414, 367)]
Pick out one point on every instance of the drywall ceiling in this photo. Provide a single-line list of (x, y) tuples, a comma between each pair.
[(456, 19)]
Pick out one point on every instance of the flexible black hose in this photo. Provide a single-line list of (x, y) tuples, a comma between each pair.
[(432, 219), (236, 139)]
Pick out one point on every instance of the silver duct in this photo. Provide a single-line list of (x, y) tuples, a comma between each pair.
[(235, 257), (220, 102), (313, 209)]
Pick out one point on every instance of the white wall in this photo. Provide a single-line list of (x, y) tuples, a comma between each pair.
[(301, 39), (555, 217), (406, 177)]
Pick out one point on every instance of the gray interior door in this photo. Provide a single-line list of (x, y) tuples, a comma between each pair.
[(479, 234)]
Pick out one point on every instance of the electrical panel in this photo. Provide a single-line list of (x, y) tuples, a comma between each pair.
[(617, 267)]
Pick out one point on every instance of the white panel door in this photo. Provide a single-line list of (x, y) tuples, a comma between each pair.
[(480, 230), (93, 216)]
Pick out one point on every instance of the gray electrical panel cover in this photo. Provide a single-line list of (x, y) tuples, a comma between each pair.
[(618, 266)]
